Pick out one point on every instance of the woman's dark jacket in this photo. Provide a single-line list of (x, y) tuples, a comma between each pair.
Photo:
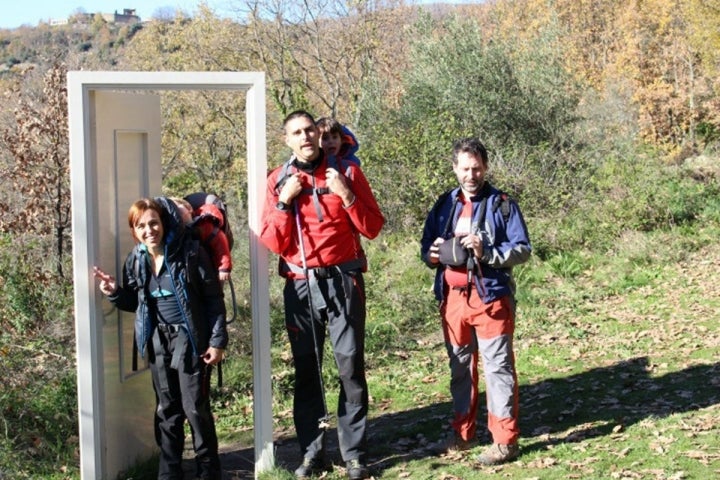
[(195, 280)]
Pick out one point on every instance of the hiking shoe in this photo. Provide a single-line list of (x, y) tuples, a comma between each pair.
[(310, 467), (208, 469), (498, 453), (356, 470), (454, 443), (208, 476)]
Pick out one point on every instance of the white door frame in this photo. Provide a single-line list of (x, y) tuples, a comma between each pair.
[(87, 297)]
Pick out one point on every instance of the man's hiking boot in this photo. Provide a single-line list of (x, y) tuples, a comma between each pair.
[(498, 453), (208, 469), (311, 467), (454, 443), (356, 470)]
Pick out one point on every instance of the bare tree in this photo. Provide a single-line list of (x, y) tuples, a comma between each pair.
[(319, 52), (39, 168)]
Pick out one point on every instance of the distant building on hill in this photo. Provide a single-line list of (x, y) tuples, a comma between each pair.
[(128, 16)]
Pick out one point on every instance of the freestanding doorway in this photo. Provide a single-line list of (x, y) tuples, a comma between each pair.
[(114, 159)]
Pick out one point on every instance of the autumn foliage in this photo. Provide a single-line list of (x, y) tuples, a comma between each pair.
[(534, 79), (40, 170), (602, 118)]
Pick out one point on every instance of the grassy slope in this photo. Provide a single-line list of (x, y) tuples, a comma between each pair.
[(617, 357)]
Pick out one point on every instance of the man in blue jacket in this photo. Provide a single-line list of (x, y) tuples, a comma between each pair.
[(476, 291)]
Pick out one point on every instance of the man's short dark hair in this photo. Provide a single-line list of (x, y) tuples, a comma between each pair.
[(472, 146), (298, 113)]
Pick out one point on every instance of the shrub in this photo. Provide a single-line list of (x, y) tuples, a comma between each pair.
[(38, 407)]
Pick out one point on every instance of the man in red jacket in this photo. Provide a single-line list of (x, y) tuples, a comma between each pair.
[(331, 205)]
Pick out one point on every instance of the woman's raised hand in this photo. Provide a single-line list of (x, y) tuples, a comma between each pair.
[(107, 285)]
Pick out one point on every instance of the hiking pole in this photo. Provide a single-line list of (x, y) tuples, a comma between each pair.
[(323, 422)]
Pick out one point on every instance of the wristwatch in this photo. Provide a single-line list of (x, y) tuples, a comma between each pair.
[(282, 206)]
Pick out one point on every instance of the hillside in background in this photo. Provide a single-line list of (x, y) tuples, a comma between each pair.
[(91, 44), (602, 120)]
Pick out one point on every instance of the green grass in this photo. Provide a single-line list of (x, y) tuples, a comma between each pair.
[(618, 363), (617, 355)]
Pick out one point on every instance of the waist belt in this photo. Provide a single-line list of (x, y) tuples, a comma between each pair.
[(313, 274), (324, 272), (178, 349), (169, 327)]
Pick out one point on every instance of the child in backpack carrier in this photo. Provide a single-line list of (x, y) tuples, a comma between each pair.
[(336, 139), (207, 222)]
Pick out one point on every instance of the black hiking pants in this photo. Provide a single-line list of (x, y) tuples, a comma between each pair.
[(342, 309), (182, 393)]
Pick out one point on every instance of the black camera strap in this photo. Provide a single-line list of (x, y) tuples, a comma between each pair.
[(472, 266)]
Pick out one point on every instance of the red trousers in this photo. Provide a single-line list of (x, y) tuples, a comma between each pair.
[(471, 327)]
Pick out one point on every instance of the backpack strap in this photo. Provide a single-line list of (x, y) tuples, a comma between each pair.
[(192, 263), (135, 349), (332, 162), (285, 174), (482, 211), (282, 178), (471, 266), (476, 225), (502, 201), (451, 213)]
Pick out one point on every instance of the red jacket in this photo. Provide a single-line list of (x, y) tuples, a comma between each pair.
[(333, 241), (218, 244)]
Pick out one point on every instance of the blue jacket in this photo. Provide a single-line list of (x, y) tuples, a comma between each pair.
[(505, 244), (349, 146), (195, 278)]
